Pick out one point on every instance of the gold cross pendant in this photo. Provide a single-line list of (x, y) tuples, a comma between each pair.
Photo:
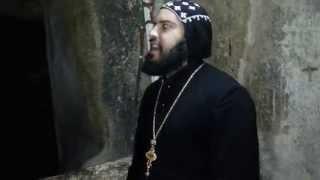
[(151, 156)]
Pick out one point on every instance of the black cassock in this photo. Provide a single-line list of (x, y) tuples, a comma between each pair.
[(210, 134)]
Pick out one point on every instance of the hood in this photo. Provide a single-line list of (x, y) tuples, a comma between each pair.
[(197, 24)]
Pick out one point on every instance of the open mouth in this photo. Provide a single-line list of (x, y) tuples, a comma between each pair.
[(153, 52), (154, 47)]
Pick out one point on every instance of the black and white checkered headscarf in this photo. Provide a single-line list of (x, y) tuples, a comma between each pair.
[(197, 24)]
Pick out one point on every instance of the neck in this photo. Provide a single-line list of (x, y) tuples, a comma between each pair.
[(173, 72)]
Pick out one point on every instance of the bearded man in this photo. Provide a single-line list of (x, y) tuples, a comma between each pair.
[(195, 122)]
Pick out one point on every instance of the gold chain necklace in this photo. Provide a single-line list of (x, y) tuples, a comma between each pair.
[(151, 154)]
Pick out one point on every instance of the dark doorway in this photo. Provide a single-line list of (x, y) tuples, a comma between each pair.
[(31, 142)]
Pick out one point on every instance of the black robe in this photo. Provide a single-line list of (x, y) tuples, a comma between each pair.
[(210, 134)]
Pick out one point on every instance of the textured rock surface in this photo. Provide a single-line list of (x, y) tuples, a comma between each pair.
[(270, 47), (93, 58), (116, 170)]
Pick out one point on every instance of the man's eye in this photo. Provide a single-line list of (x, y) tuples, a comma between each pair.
[(165, 26)]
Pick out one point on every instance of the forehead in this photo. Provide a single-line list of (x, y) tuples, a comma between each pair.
[(167, 15)]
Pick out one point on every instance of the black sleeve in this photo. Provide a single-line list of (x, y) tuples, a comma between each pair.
[(234, 152), (137, 165)]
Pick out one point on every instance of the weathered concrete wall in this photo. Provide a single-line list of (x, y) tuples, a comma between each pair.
[(93, 58), (269, 46)]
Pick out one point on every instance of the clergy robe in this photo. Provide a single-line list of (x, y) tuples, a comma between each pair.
[(210, 134)]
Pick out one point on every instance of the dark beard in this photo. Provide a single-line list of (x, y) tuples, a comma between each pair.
[(172, 61)]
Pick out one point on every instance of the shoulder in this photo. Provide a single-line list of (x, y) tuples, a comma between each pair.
[(218, 77), (220, 87), (216, 82), (226, 92)]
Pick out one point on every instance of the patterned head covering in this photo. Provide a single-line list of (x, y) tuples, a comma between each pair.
[(197, 24)]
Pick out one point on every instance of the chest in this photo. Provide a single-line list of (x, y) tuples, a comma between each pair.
[(181, 118)]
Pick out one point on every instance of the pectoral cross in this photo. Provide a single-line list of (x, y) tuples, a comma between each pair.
[(310, 70), (151, 156)]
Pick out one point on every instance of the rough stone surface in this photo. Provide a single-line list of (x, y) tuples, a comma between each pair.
[(116, 170), (93, 58), (269, 46)]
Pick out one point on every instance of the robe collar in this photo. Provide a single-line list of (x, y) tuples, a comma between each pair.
[(182, 74)]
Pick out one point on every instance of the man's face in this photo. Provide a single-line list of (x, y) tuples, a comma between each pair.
[(165, 35)]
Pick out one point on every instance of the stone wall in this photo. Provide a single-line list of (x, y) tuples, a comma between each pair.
[(116, 170), (93, 50), (272, 48)]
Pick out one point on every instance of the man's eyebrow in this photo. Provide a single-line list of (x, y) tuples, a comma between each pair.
[(165, 21)]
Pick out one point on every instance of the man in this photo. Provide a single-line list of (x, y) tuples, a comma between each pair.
[(195, 122)]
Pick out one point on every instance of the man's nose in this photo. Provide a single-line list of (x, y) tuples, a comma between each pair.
[(153, 34)]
